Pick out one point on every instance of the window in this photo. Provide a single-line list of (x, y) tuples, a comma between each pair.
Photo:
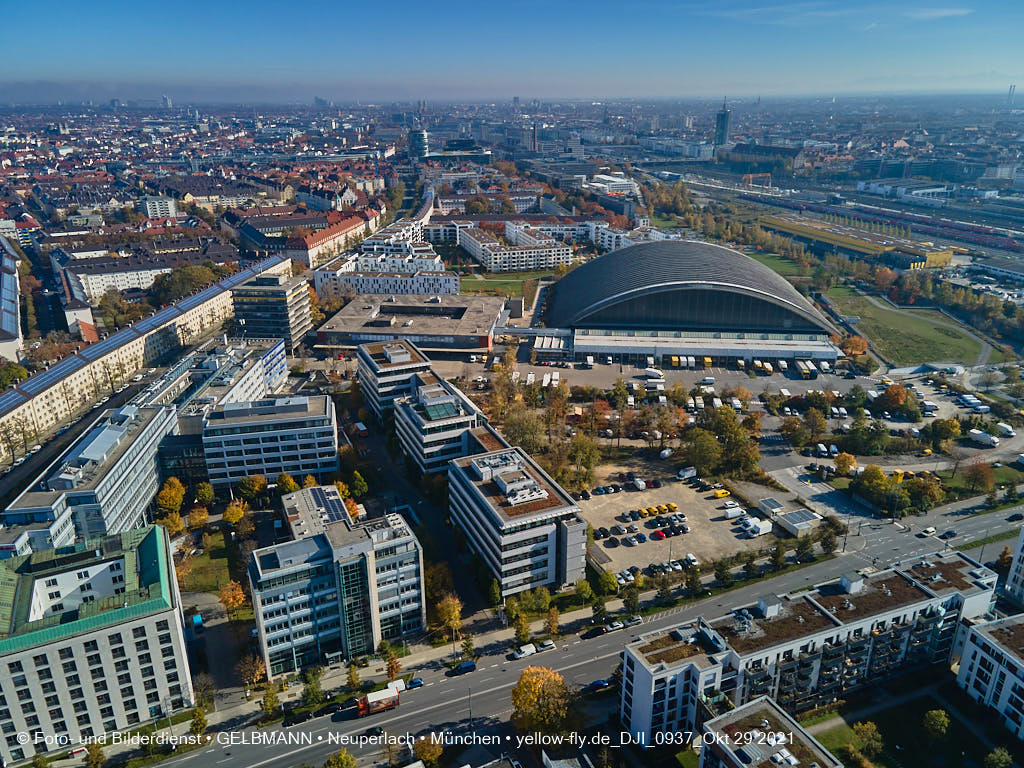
[(14, 666), (40, 660), (66, 653), (139, 632), (115, 639), (91, 646)]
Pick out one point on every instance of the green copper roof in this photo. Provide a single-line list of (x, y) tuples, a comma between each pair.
[(147, 587)]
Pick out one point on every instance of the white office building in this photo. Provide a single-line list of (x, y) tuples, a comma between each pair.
[(433, 423), (158, 207), (91, 642), (992, 669), (806, 649), (296, 434), (388, 370), (338, 587), (523, 525), (1015, 579)]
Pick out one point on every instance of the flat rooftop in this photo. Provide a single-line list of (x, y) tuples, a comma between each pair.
[(385, 355), (270, 409), (417, 315), (741, 728), (550, 499), (672, 646), (880, 593), (1008, 634), (797, 617)]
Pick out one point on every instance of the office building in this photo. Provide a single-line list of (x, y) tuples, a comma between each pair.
[(387, 371), (1015, 578), (992, 669), (10, 313), (273, 307), (91, 641), (462, 323), (419, 144), (522, 524), (296, 434), (433, 424), (806, 649), (338, 587), (103, 485), (760, 734), (723, 121)]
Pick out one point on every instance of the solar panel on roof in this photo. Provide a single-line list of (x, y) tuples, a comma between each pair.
[(196, 299), (10, 399), (41, 381), (149, 323), (96, 351), (800, 516)]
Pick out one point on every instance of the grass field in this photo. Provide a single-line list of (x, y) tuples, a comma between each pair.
[(785, 267), (207, 572), (510, 283), (665, 222), (907, 340), (906, 742)]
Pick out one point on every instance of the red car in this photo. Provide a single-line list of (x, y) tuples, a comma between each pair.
[(657, 535)]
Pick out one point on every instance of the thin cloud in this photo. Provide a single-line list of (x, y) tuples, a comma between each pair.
[(931, 14), (870, 26)]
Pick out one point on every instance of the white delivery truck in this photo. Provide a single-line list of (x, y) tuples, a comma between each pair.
[(654, 373), (759, 528), (590, 361), (1006, 430), (686, 473), (708, 380), (983, 438)]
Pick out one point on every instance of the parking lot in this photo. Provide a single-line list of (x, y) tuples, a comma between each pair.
[(711, 536)]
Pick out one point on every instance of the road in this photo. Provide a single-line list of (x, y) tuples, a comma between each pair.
[(480, 703)]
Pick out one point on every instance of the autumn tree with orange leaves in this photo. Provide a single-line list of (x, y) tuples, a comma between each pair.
[(540, 702)]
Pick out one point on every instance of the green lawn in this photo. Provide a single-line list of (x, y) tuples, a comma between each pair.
[(901, 727), (207, 572), (665, 222), (1003, 475), (907, 340), (785, 267), (510, 283), (688, 758)]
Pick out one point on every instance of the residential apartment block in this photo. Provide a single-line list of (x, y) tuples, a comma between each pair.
[(103, 485), (537, 251), (10, 312), (804, 649), (761, 734), (992, 669), (524, 526), (91, 642), (1015, 578), (403, 267), (296, 434), (338, 588)]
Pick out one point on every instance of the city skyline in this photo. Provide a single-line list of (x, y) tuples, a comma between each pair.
[(669, 50)]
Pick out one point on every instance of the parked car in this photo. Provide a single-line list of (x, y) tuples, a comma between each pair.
[(295, 718), (632, 621), (327, 709), (546, 645), (613, 626), (416, 682)]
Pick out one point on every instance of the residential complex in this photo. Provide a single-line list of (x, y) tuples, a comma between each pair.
[(338, 587), (91, 641), (804, 649), (524, 527), (528, 251), (297, 434), (273, 307), (992, 669)]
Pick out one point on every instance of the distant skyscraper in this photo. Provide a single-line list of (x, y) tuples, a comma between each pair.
[(167, 101), (722, 121), (515, 103)]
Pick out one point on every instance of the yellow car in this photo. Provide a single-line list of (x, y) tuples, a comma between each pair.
[(652, 512), (643, 513), (662, 509), (721, 493), (672, 506)]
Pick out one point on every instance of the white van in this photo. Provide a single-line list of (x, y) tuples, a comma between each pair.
[(525, 650), (929, 531)]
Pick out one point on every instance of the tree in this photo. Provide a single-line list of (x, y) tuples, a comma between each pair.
[(198, 725), (308, 481), (869, 740), (584, 591), (723, 573), (998, 758), (551, 624), (494, 593), (352, 679), (703, 451), (251, 669), (197, 518), (979, 475), (252, 487), (94, 757), (286, 484), (312, 689), (231, 596), (428, 749), (467, 646), (631, 599), (804, 548), (39, 761), (205, 494), (777, 557), (233, 512), (173, 523), (607, 582), (168, 502), (522, 427), (358, 485), (394, 666), (584, 454), (522, 628), (598, 610), (449, 611), (540, 702), (204, 688), (270, 703), (694, 585), (828, 541), (341, 759), (794, 431), (815, 422), (1004, 561), (845, 463), (855, 346), (936, 724)]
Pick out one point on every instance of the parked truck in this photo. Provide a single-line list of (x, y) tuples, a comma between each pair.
[(654, 373), (983, 438), (378, 701), (1006, 430), (758, 528)]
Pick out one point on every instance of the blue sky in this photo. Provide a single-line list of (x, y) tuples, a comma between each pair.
[(488, 49)]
